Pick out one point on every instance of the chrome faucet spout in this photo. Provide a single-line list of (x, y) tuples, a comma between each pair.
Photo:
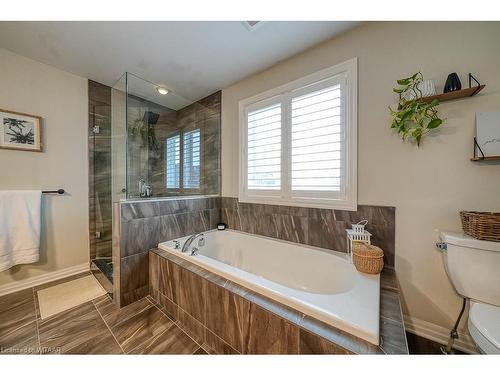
[(189, 241)]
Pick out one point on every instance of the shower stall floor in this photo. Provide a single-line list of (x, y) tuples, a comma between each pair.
[(103, 271)]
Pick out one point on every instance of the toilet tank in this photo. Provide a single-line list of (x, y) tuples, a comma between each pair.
[(473, 267)]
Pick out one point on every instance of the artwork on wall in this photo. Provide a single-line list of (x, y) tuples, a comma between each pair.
[(488, 132), (20, 131)]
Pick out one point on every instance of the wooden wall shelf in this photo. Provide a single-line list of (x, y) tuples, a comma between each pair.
[(464, 93), (486, 158)]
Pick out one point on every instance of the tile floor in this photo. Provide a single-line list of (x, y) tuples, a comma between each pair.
[(95, 327)]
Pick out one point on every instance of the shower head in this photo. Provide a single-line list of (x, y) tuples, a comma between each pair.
[(150, 118)]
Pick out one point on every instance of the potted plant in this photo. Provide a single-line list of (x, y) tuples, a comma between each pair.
[(413, 118)]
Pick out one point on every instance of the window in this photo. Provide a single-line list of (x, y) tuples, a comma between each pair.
[(173, 158), (298, 142), (191, 175), (264, 148), (183, 173)]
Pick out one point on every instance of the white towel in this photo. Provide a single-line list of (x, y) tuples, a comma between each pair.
[(19, 227)]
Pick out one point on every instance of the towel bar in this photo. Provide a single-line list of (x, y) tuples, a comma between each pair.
[(59, 191)]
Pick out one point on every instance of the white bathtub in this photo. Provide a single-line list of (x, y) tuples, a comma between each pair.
[(320, 283)]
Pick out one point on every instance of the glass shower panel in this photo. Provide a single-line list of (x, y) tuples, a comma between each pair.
[(119, 139), (102, 207), (146, 142), (101, 216)]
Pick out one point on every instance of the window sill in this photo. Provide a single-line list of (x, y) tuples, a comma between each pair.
[(330, 204)]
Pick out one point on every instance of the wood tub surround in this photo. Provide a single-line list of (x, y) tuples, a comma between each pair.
[(224, 317)]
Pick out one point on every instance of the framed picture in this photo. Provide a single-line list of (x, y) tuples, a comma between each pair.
[(488, 132), (20, 131)]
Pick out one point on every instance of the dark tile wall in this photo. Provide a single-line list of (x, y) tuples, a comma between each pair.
[(144, 224), (312, 226), (99, 170)]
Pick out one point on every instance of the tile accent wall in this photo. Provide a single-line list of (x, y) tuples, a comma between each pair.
[(311, 226), (142, 225)]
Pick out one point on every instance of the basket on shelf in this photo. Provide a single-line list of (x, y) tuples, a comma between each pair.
[(481, 225), (367, 258)]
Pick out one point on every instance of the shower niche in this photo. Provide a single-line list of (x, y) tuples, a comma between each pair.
[(146, 142)]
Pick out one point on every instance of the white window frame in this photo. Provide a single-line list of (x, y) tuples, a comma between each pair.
[(346, 199), (182, 188)]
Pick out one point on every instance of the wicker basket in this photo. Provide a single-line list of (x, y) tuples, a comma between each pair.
[(481, 225), (367, 258)]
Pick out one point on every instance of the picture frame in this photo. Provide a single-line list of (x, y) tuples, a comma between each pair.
[(20, 131), (488, 133)]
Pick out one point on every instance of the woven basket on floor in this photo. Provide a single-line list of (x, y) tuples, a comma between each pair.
[(481, 225), (367, 258)]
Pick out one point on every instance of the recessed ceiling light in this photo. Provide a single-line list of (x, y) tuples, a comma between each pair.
[(253, 25), (162, 90)]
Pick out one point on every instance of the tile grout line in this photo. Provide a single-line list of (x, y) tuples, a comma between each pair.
[(108, 327), (198, 348)]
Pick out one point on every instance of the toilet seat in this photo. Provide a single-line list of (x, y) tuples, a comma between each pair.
[(484, 326)]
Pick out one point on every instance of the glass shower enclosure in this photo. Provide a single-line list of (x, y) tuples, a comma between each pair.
[(157, 144)]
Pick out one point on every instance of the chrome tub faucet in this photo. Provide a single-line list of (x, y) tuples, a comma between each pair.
[(190, 240)]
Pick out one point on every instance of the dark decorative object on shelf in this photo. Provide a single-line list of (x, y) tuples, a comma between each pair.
[(452, 83)]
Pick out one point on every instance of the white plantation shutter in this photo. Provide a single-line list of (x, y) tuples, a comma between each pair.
[(317, 138), (173, 160), (264, 148), (191, 161), (183, 157), (298, 142)]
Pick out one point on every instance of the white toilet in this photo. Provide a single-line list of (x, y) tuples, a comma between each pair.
[(473, 267)]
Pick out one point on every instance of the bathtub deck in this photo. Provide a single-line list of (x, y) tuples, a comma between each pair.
[(313, 336)]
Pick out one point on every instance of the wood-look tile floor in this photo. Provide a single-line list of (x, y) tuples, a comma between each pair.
[(95, 327)]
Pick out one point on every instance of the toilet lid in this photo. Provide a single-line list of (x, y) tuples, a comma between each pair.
[(484, 326)]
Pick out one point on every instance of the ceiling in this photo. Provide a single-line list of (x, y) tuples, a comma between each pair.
[(193, 59)]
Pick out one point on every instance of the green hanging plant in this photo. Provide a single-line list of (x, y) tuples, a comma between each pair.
[(413, 119)]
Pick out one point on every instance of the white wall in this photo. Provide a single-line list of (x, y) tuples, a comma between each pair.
[(428, 186), (61, 100)]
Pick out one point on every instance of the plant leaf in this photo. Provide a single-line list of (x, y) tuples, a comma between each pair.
[(434, 123), (413, 119)]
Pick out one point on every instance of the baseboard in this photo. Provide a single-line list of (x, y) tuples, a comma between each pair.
[(16, 286), (439, 334)]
